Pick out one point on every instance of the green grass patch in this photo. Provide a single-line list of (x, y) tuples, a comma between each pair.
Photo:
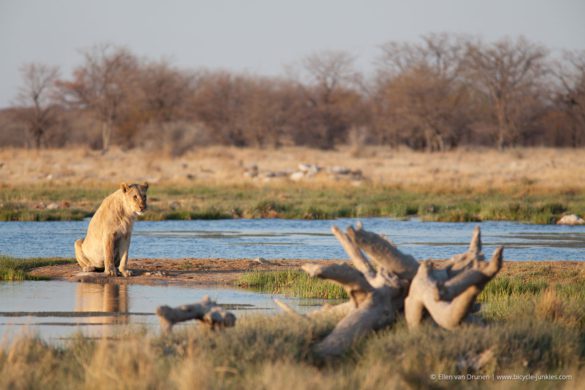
[(291, 282), (295, 201), (17, 269)]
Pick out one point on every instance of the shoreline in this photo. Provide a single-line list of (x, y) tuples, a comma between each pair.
[(193, 272), (197, 272)]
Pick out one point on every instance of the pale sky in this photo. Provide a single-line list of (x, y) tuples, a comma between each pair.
[(261, 36)]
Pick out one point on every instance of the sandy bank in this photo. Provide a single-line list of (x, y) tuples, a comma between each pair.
[(193, 272), (210, 272)]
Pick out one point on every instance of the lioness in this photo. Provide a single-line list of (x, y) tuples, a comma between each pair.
[(108, 236)]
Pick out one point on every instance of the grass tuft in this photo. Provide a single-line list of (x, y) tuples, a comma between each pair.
[(291, 282), (13, 269)]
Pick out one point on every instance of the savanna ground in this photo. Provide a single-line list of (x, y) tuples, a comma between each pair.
[(535, 185), (534, 314)]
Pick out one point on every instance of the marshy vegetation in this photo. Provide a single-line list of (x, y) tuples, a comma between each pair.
[(291, 282), (13, 269), (28, 203), (534, 314)]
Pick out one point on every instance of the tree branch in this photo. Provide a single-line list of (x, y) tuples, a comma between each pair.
[(206, 311)]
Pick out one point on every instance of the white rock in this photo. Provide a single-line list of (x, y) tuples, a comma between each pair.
[(309, 168), (304, 167), (340, 170), (571, 219), (296, 176), (52, 206)]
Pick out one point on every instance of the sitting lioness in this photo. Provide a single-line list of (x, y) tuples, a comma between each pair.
[(108, 236)]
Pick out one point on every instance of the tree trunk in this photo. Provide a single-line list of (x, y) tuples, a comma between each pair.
[(387, 281), (502, 125), (106, 135)]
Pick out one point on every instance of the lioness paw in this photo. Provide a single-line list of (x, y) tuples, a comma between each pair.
[(126, 273), (111, 272)]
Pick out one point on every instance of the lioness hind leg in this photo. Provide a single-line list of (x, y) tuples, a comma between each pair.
[(83, 262)]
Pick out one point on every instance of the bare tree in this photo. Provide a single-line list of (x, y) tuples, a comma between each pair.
[(506, 71), (35, 95), (219, 104), (167, 91), (331, 101), (420, 96), (571, 97), (442, 53), (103, 85), (272, 109)]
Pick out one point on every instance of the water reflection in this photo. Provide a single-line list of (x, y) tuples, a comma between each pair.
[(109, 302), (58, 309)]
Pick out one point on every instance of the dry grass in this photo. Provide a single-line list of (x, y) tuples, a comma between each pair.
[(531, 170), (275, 353), (534, 325), (530, 185)]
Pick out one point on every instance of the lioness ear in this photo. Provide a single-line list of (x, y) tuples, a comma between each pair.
[(145, 186), (124, 187)]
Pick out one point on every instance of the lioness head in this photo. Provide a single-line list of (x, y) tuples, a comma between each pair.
[(135, 196)]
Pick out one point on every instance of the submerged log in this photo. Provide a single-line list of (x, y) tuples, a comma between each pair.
[(206, 311), (384, 281)]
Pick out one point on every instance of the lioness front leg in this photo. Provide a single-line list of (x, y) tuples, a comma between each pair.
[(124, 247), (109, 268)]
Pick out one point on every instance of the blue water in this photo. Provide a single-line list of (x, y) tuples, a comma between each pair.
[(54, 309), (278, 238)]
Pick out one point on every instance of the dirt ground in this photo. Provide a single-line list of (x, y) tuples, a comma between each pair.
[(186, 272), (225, 272)]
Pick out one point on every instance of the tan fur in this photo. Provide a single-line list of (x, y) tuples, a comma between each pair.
[(107, 241)]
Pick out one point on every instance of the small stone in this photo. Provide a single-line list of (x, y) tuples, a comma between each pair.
[(571, 220), (337, 170), (52, 206), (296, 176), (309, 168)]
